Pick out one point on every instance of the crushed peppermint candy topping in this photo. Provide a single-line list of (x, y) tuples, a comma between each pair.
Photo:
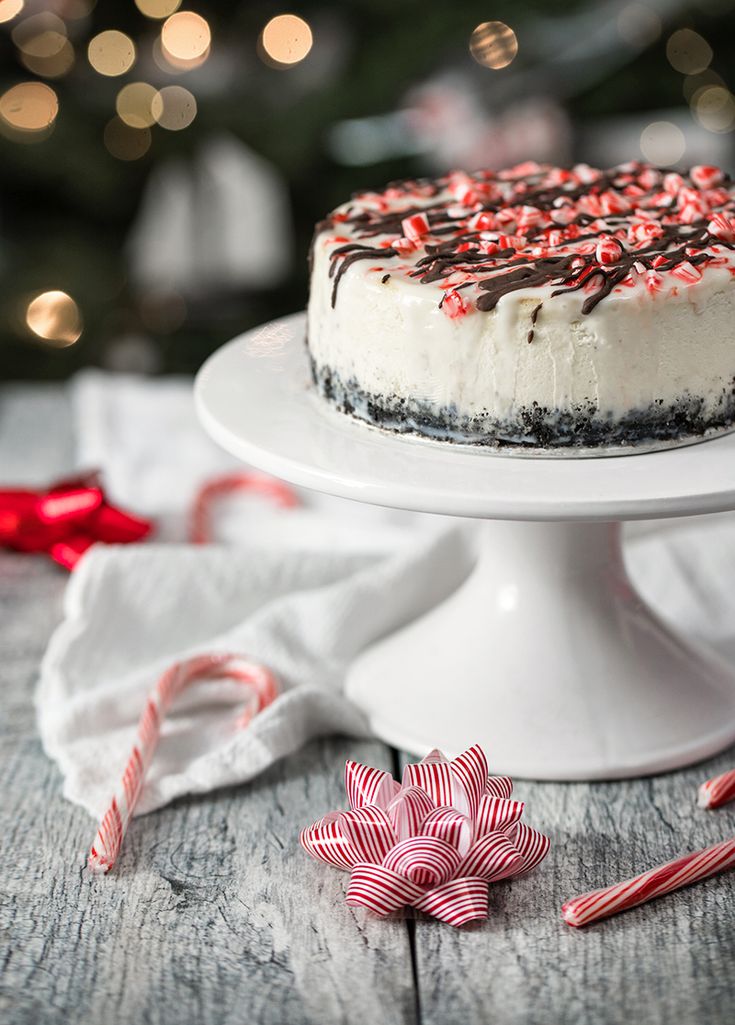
[(492, 233), (453, 304), (415, 227)]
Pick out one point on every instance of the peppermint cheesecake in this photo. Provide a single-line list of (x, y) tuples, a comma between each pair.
[(532, 308)]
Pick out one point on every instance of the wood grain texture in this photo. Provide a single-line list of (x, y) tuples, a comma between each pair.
[(215, 916), (666, 963)]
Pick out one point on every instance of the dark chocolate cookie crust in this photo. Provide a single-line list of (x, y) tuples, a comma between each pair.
[(581, 427)]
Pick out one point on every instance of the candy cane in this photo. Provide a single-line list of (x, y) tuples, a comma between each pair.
[(718, 790), (658, 881), (177, 678), (280, 493)]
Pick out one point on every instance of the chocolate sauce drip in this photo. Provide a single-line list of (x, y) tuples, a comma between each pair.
[(508, 269), (534, 317), (350, 254)]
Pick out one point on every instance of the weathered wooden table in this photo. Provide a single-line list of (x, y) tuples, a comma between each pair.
[(215, 916)]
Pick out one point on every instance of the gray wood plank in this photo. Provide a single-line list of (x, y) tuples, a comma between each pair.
[(213, 915), (666, 963)]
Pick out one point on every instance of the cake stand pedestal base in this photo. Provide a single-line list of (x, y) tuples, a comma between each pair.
[(548, 657)]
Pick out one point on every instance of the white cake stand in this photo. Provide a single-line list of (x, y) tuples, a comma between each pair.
[(545, 655)]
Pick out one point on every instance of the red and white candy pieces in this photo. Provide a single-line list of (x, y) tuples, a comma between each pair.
[(579, 229), (415, 227)]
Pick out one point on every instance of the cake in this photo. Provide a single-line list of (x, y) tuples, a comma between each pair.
[(536, 308)]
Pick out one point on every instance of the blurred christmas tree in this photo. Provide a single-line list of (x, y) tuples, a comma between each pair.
[(111, 109)]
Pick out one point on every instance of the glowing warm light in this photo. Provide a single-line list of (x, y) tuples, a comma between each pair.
[(133, 104), (125, 142), (662, 143), (174, 108), (493, 44), (714, 108), (185, 36), (286, 40), (173, 65), (157, 8), (111, 53), (688, 52), (9, 9), (29, 107), (43, 45), (43, 35), (55, 317), (53, 66), (692, 83), (639, 25)]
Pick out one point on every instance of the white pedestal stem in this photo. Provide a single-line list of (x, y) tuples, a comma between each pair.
[(548, 657)]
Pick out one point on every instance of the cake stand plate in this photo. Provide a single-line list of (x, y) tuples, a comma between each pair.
[(545, 654)]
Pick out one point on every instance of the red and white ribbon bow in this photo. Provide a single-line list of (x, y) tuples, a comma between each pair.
[(435, 841)]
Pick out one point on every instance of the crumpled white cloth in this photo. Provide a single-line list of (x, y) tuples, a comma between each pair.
[(132, 611), (303, 590)]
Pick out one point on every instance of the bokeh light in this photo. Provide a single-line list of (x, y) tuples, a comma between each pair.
[(493, 44), (111, 53), (42, 35), (125, 142), (174, 107), (662, 143), (174, 65), (713, 107), (53, 66), (133, 104), (10, 9), (54, 317), (285, 40), (157, 8), (692, 83), (29, 107), (43, 45), (688, 52), (185, 36), (638, 25)]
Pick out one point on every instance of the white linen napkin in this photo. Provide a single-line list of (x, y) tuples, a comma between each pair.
[(130, 612), (303, 590)]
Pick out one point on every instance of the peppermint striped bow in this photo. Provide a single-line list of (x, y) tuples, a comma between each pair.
[(434, 842)]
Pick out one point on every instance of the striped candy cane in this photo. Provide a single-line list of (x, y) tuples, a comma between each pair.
[(718, 790), (658, 881), (281, 494), (263, 687)]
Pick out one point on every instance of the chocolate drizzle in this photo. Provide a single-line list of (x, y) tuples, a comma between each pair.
[(350, 254), (559, 206), (534, 317)]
